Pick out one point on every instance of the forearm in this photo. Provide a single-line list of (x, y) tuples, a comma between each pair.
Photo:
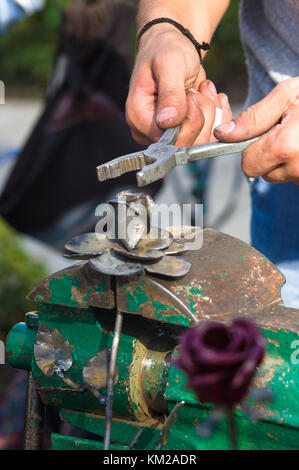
[(201, 17)]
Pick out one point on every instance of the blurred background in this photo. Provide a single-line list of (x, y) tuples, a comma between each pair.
[(65, 89)]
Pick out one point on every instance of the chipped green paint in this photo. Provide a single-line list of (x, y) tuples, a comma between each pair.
[(60, 442), (195, 290), (121, 432), (136, 299), (224, 274), (87, 332), (179, 318), (243, 257), (19, 346), (192, 305), (100, 289), (61, 290)]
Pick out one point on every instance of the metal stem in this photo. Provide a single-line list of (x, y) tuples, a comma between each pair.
[(110, 380), (34, 417)]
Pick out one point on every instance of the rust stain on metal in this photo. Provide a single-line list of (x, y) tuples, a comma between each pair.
[(267, 371), (87, 288), (137, 400), (56, 401), (228, 278), (276, 343), (273, 436)]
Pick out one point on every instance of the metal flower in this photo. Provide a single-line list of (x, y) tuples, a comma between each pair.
[(221, 360), (141, 248)]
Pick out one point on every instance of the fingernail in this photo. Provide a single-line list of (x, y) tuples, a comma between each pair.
[(224, 102), (166, 114), (212, 88), (226, 128), (193, 90)]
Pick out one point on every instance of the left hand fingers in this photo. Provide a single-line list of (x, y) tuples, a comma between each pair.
[(205, 107), (223, 111), (216, 110), (275, 156)]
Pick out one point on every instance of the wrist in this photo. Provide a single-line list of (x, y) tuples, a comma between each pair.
[(155, 43), (157, 31), (184, 31)]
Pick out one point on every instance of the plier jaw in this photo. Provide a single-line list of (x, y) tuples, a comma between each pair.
[(155, 162), (160, 158)]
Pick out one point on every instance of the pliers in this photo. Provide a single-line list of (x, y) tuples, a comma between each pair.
[(160, 158)]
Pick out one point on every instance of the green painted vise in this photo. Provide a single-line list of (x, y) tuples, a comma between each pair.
[(73, 329)]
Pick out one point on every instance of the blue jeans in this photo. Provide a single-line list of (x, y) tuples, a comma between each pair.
[(275, 231)]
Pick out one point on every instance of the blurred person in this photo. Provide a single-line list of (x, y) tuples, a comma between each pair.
[(169, 87), (53, 190)]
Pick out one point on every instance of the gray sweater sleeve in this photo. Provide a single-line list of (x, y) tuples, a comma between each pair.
[(270, 37)]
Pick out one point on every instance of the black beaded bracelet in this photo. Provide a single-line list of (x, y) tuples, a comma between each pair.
[(199, 47)]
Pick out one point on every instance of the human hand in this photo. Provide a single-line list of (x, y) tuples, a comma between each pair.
[(168, 88), (275, 156)]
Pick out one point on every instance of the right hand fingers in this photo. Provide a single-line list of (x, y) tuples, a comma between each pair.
[(157, 97), (260, 117)]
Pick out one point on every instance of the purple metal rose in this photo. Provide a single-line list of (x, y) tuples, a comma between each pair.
[(221, 360)]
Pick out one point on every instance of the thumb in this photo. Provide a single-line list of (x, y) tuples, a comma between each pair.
[(171, 95), (260, 117)]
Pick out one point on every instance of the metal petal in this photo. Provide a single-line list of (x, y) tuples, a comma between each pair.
[(130, 226), (157, 239), (169, 266), (110, 264), (132, 217), (51, 351), (141, 254), (95, 371), (176, 248), (89, 244), (78, 256), (44, 350), (190, 236), (63, 351)]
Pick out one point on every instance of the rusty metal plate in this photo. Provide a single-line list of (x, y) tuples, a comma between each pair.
[(227, 278), (77, 286)]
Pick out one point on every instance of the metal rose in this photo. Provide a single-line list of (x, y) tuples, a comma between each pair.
[(221, 360), (139, 247)]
